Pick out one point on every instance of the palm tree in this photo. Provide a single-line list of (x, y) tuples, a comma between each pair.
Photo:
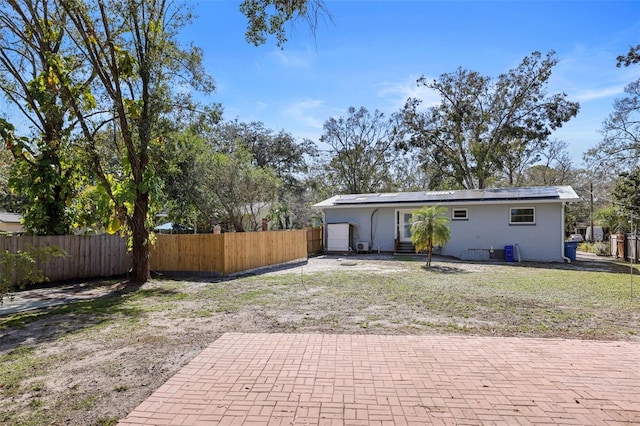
[(429, 227)]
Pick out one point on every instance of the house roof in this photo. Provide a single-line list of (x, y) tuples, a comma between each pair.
[(498, 195), (10, 217)]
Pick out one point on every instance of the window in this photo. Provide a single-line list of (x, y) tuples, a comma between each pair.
[(459, 214), (522, 216)]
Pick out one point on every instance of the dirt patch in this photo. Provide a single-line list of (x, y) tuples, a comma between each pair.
[(378, 263), (92, 362)]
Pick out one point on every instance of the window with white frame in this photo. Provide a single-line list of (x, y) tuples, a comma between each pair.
[(459, 214), (522, 215)]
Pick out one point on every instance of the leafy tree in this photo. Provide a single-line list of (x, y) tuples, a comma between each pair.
[(8, 200), (184, 196), (361, 149), (132, 48), (48, 179), (92, 209), (620, 146), (409, 173), (483, 127), (429, 227), (268, 17), (188, 201), (609, 218), (280, 216), (632, 57), (238, 189), (35, 61), (626, 195), (183, 143), (557, 168), (316, 180), (123, 66), (279, 151), (523, 157), (553, 167), (585, 182)]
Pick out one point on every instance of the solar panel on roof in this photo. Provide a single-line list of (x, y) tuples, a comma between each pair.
[(451, 196)]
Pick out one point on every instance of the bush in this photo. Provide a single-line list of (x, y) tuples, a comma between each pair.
[(602, 249), (19, 269), (599, 248)]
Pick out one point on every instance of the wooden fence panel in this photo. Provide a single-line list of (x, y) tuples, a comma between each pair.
[(187, 252), (314, 240), (250, 250), (87, 256), (632, 242), (165, 251), (626, 247), (227, 253)]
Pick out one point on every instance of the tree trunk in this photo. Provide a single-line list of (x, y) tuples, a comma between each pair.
[(140, 236)]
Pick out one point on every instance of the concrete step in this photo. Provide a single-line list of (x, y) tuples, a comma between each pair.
[(405, 248)]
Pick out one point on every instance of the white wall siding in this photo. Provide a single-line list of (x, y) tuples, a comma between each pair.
[(487, 226), (383, 225)]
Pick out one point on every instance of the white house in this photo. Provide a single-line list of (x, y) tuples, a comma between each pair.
[(526, 222)]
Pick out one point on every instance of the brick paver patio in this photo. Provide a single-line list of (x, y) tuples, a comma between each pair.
[(315, 379)]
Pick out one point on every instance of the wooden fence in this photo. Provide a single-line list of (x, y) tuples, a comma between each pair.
[(95, 256), (626, 246), (87, 256), (229, 253), (314, 240)]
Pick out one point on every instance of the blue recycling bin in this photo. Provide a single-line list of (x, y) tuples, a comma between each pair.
[(508, 254), (570, 249)]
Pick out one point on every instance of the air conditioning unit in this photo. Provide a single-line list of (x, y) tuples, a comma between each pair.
[(362, 246)]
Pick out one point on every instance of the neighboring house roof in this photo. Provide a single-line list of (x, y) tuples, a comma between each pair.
[(11, 222), (10, 217), (467, 196)]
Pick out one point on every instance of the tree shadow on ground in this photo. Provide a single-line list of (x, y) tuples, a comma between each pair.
[(605, 264), (216, 277), (444, 269), (608, 265), (50, 323)]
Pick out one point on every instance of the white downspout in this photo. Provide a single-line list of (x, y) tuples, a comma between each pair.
[(565, 258)]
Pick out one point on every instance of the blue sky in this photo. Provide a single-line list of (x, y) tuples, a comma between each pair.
[(373, 52)]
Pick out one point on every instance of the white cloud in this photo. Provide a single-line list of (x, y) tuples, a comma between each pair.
[(397, 93), (590, 74), (305, 112), (592, 94), (293, 59)]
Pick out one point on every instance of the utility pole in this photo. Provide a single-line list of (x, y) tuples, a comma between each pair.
[(633, 238), (591, 233)]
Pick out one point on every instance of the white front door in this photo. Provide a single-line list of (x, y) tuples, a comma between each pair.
[(403, 224)]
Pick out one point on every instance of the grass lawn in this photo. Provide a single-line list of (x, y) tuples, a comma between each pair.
[(92, 362)]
